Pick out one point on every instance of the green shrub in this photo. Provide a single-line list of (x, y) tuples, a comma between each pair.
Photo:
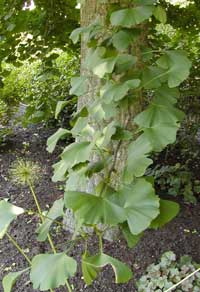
[(176, 180), (169, 272), (40, 85), (4, 134)]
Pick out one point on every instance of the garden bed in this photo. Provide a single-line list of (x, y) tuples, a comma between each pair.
[(182, 235)]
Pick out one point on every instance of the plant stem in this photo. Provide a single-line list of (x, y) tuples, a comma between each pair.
[(40, 214), (44, 217), (51, 244), (18, 248), (42, 220), (100, 243), (68, 286)]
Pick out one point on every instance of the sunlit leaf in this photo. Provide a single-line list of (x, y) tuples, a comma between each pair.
[(55, 212), (177, 67), (10, 280), (138, 161), (132, 240), (168, 210), (100, 65), (8, 213), (122, 39), (157, 113), (53, 140), (73, 154), (160, 14), (131, 16), (79, 85), (59, 107), (49, 271), (140, 203), (161, 135), (92, 265), (93, 209)]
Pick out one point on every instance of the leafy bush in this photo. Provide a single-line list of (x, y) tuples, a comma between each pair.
[(40, 85), (176, 180), (5, 113), (4, 134), (169, 272)]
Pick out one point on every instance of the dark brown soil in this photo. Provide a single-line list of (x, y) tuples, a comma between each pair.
[(182, 235)]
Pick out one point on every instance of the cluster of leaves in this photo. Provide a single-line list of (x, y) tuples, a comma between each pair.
[(182, 33), (132, 204), (5, 112), (168, 272), (39, 86), (127, 73), (4, 134), (176, 180), (172, 176), (26, 32)]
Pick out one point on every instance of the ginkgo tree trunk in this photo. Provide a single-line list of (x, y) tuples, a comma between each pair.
[(127, 93), (96, 11)]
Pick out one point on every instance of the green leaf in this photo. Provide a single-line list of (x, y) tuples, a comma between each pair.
[(94, 167), (104, 66), (107, 134), (166, 96), (160, 14), (83, 112), (55, 212), (75, 35), (10, 280), (79, 85), (113, 92), (59, 107), (125, 62), (177, 65), (116, 91), (161, 135), (122, 39), (133, 83), (11, 26), (49, 271), (168, 210), (157, 113), (92, 265), (53, 140), (131, 16), (138, 160), (77, 179), (110, 110), (122, 134), (82, 128), (152, 77), (8, 213), (140, 203), (99, 65), (73, 154), (93, 209), (87, 31), (132, 240)]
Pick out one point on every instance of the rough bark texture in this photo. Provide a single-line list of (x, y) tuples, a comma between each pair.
[(89, 12)]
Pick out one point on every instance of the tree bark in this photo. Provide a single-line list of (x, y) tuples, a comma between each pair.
[(89, 12)]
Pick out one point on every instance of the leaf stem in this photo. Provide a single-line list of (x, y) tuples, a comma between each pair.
[(68, 286), (40, 214), (18, 247), (42, 220), (44, 217)]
